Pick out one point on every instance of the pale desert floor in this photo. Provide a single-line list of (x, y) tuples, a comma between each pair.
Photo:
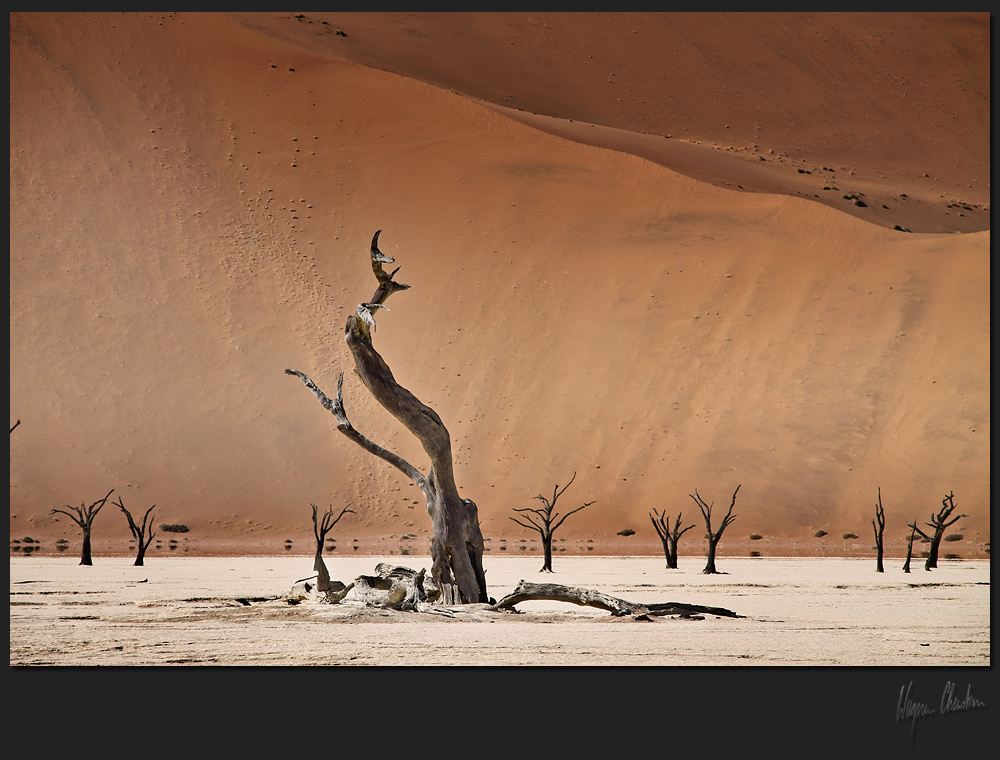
[(234, 611)]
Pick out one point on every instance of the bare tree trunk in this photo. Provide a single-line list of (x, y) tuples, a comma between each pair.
[(668, 537), (84, 517), (710, 559), (457, 543), (939, 522), (85, 556), (909, 551), (879, 526), (320, 529), (547, 553), (143, 534), (713, 537)]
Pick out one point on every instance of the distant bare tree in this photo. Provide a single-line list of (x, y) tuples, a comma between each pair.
[(143, 534), (713, 538), (939, 522), (320, 529), (544, 520), (84, 517), (878, 524), (909, 550), (668, 537)]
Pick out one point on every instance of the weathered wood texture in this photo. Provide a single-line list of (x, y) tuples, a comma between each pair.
[(457, 543), (526, 592)]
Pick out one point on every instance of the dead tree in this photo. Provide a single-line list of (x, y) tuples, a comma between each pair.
[(713, 538), (457, 542), (939, 522), (526, 592), (878, 524), (320, 529), (544, 520), (909, 550), (14, 426), (143, 534), (401, 588), (84, 517), (668, 537)]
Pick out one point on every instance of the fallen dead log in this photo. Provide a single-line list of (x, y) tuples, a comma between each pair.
[(526, 591), (391, 586), (306, 589), (400, 588)]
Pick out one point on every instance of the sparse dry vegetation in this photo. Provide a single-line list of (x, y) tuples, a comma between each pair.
[(142, 533), (714, 536), (546, 520), (84, 517), (669, 537), (938, 522)]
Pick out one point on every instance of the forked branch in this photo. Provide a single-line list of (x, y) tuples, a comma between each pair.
[(336, 407), (457, 543), (143, 534), (714, 536)]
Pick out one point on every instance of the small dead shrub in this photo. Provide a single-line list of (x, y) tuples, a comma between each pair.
[(819, 534), (850, 535)]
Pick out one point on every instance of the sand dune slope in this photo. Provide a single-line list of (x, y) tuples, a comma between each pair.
[(192, 201)]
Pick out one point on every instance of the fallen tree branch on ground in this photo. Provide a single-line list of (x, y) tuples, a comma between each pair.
[(526, 591), (400, 588)]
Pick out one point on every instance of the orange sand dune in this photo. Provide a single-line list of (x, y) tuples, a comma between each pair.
[(606, 277)]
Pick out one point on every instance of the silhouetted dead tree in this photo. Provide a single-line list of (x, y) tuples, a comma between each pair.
[(544, 520), (939, 522), (878, 524), (84, 517), (668, 537), (14, 426), (457, 542), (909, 550), (143, 534), (320, 528), (713, 538)]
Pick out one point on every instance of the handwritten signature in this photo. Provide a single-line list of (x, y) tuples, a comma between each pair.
[(909, 710)]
